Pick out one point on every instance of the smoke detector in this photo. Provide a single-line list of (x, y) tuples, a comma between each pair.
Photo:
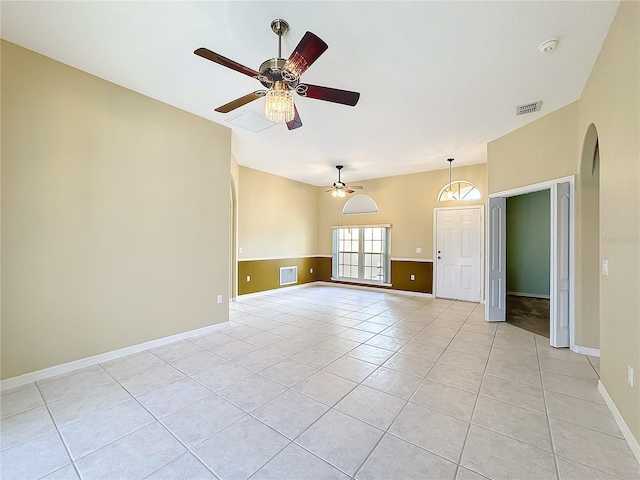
[(548, 46)]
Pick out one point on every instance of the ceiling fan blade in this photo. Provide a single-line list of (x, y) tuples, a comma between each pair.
[(225, 62), (348, 190), (303, 56), (330, 190), (355, 187), (296, 122), (334, 95), (238, 102)]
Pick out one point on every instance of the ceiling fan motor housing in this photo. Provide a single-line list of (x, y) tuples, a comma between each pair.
[(272, 70)]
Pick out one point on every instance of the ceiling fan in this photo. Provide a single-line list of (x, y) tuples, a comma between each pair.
[(281, 76), (340, 189)]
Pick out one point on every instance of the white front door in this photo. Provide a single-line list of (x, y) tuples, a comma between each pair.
[(459, 253)]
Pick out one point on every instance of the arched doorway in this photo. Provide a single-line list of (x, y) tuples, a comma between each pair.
[(588, 318), (233, 261)]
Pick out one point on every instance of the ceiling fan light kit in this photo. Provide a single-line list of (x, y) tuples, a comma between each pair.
[(282, 77), (340, 189), (279, 107)]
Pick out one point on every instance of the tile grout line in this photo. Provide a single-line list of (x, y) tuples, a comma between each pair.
[(55, 425), (546, 411)]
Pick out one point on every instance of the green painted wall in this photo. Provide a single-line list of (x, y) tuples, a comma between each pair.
[(528, 243)]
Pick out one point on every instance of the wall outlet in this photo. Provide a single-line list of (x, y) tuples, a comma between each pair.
[(311, 270), (630, 375), (418, 250), (413, 277), (605, 267), (240, 250), (248, 278), (219, 298)]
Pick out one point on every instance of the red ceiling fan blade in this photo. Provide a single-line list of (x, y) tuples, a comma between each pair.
[(296, 122), (238, 102), (307, 52), (225, 62), (335, 95)]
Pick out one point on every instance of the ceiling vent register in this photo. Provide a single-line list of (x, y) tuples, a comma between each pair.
[(528, 108)]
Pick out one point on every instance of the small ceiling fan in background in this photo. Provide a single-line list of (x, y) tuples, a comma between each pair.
[(280, 77), (340, 189)]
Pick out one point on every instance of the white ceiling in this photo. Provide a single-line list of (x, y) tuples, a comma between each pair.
[(437, 79)]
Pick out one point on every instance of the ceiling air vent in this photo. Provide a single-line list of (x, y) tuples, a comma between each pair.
[(528, 108)]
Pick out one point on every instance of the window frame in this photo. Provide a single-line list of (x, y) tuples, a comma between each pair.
[(386, 254), (456, 186)]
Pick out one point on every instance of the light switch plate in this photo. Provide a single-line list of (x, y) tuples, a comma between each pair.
[(418, 250), (605, 267)]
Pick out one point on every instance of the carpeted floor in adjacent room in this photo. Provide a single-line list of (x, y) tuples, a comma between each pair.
[(531, 314)]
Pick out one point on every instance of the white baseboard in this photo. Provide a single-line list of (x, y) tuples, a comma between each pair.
[(423, 260), (631, 440), (103, 357), (592, 352), (274, 290), (374, 289), (529, 295)]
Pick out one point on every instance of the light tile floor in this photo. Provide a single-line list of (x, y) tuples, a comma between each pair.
[(325, 382)]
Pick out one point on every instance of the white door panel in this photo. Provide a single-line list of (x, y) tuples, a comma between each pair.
[(560, 264), (459, 254), (496, 307)]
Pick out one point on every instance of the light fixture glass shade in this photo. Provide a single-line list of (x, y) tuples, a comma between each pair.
[(296, 65), (279, 106), (338, 193)]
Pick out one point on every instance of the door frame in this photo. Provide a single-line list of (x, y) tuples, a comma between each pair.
[(551, 185), (434, 287), (233, 244)]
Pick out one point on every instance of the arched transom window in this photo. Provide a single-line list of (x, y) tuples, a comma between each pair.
[(460, 190)]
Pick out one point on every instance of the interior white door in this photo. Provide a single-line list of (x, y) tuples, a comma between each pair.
[(560, 265), (459, 254), (496, 304)]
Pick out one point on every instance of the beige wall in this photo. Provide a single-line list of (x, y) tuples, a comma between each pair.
[(542, 150), (552, 147), (277, 217), (114, 216), (611, 102), (404, 201)]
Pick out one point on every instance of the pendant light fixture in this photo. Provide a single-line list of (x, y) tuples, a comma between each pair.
[(450, 192)]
